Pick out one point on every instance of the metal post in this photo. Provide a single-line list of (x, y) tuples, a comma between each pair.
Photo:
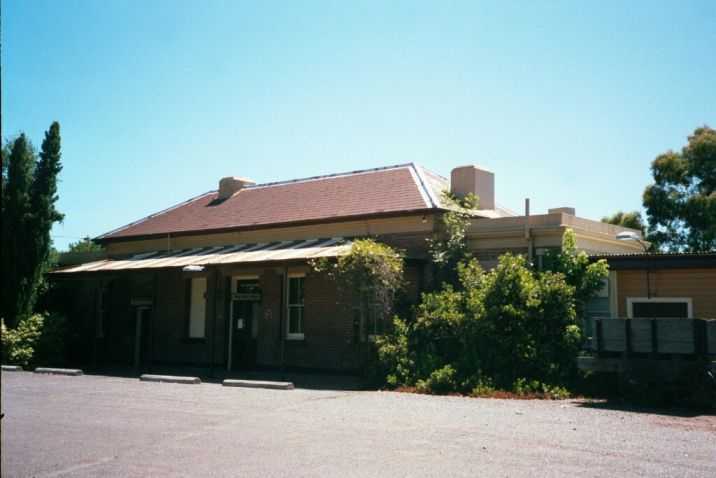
[(152, 333), (213, 325), (283, 318), (97, 321)]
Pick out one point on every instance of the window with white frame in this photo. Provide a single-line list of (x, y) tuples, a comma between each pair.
[(197, 307), (659, 307), (295, 306)]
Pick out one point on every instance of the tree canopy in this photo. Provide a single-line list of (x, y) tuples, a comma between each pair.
[(681, 204), (371, 273), (513, 327), (84, 245), (28, 212), (632, 220)]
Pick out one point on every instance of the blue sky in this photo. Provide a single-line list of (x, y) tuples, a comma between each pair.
[(567, 102)]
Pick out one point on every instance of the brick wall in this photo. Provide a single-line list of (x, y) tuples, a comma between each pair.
[(330, 335), (328, 327)]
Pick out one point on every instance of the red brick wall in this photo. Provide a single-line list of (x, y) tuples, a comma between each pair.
[(328, 327), (330, 336)]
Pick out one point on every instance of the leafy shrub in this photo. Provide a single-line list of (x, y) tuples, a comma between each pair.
[(483, 387), (52, 343), (371, 273), (439, 381), (511, 328), (448, 247), (18, 344), (395, 364), (535, 387), (38, 339)]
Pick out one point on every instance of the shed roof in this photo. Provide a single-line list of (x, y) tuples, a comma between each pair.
[(660, 260)]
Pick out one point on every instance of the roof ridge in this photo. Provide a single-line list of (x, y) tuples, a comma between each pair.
[(328, 176), (425, 190)]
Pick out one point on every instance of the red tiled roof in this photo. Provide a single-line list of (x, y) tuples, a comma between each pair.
[(388, 190)]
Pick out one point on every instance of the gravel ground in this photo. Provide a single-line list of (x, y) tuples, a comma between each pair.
[(109, 426)]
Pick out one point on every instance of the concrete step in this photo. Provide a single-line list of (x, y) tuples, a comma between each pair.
[(59, 371), (170, 379), (258, 384)]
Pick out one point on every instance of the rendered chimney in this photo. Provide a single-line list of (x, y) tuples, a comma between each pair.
[(231, 185), (475, 180), (562, 210)]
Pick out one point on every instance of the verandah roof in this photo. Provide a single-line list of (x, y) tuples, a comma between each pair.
[(220, 255)]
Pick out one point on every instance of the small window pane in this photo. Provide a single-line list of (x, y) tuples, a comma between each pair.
[(295, 320), (660, 310), (295, 290)]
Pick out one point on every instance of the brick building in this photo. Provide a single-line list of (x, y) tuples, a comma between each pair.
[(225, 278)]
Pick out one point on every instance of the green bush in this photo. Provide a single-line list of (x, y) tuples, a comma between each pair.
[(439, 381), (527, 387), (511, 328), (483, 387), (37, 340)]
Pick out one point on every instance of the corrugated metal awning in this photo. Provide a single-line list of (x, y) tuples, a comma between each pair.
[(212, 256)]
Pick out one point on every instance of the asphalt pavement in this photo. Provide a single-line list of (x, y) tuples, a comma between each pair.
[(118, 426)]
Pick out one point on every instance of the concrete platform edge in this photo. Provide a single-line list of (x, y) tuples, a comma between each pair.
[(258, 384)]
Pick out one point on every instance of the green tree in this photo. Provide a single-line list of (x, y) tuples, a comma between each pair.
[(372, 273), (511, 327), (681, 204), (632, 220), (17, 272), (28, 212), (448, 247), (585, 276), (85, 245)]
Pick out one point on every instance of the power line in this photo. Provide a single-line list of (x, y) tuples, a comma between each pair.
[(68, 237)]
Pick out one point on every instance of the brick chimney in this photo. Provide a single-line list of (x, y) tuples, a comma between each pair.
[(562, 210), (475, 180), (231, 185)]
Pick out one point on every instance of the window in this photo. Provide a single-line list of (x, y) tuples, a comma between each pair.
[(197, 307), (294, 306), (659, 308)]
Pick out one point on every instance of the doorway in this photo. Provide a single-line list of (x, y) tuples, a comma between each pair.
[(142, 335), (246, 298)]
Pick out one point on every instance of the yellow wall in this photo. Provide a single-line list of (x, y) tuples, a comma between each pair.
[(698, 284)]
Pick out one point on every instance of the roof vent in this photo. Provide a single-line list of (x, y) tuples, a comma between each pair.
[(475, 180), (562, 210), (231, 185)]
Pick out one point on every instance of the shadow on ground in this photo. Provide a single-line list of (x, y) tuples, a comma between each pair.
[(667, 410), (310, 381)]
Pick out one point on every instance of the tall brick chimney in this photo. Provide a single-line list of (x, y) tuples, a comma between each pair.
[(475, 180), (231, 185)]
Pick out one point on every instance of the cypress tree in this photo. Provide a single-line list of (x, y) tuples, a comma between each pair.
[(16, 216), (28, 212), (43, 196)]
